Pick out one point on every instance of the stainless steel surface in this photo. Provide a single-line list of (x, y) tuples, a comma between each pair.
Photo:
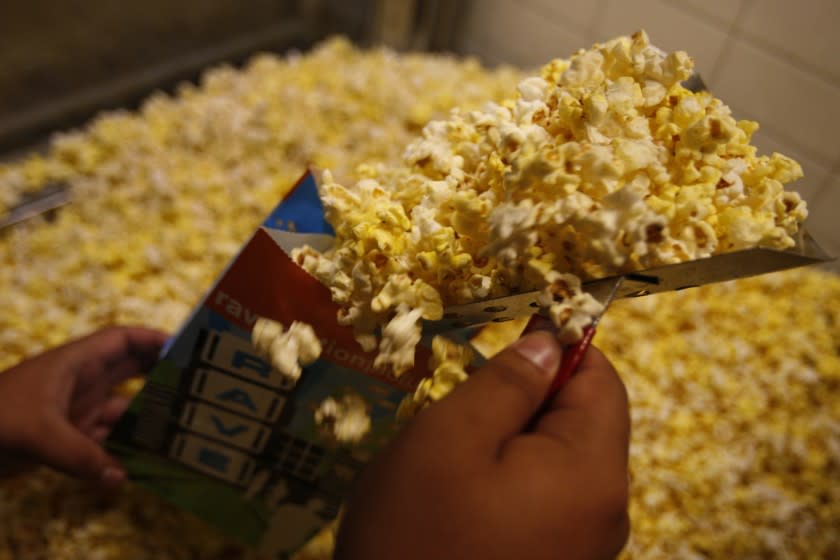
[(51, 197), (718, 268), (695, 83)]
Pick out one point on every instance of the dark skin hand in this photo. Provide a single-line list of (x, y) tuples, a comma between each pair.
[(488, 472), (57, 408)]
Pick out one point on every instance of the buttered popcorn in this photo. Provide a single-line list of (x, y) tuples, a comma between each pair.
[(162, 198), (205, 166), (286, 349), (603, 164), (733, 388), (448, 366)]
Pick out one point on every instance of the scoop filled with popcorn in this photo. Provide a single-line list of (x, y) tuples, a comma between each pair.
[(603, 164)]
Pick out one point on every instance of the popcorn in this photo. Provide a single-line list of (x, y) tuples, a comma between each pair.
[(75, 523), (733, 399), (344, 420), (603, 164), (286, 350), (399, 338), (448, 363), (733, 387), (162, 199), (570, 309)]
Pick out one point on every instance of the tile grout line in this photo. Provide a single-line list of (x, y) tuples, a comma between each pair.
[(833, 172), (729, 42), (737, 30), (690, 10), (803, 65)]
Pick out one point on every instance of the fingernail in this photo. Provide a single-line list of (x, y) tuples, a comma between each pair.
[(112, 476), (541, 349)]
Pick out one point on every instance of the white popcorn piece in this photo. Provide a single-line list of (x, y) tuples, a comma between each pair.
[(570, 309), (400, 336), (344, 420), (287, 350)]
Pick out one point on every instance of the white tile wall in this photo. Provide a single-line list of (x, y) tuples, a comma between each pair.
[(824, 219), (722, 12), (774, 61), (805, 32)]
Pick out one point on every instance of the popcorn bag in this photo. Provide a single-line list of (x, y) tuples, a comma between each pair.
[(217, 432)]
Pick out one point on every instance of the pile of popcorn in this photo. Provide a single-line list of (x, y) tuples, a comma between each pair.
[(603, 163), (164, 197), (734, 388), (735, 405)]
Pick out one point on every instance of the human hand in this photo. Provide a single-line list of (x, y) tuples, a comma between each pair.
[(487, 473), (57, 408)]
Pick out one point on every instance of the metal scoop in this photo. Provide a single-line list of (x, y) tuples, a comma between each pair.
[(49, 198), (718, 268), (728, 266)]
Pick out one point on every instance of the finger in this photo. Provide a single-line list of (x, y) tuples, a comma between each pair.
[(591, 409), (113, 409), (142, 352), (498, 401), (118, 341), (123, 352), (90, 416), (100, 432), (135, 345), (70, 451), (99, 414)]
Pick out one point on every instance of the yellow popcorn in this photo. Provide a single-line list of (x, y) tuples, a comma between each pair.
[(286, 350), (162, 198), (733, 387), (732, 398), (448, 363), (345, 419), (51, 517), (604, 163)]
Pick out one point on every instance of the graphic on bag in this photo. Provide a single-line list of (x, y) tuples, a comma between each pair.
[(218, 432)]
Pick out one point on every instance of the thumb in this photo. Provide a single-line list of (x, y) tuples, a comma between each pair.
[(72, 452), (499, 400)]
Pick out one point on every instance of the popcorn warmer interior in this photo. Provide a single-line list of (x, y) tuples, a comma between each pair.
[(734, 387)]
